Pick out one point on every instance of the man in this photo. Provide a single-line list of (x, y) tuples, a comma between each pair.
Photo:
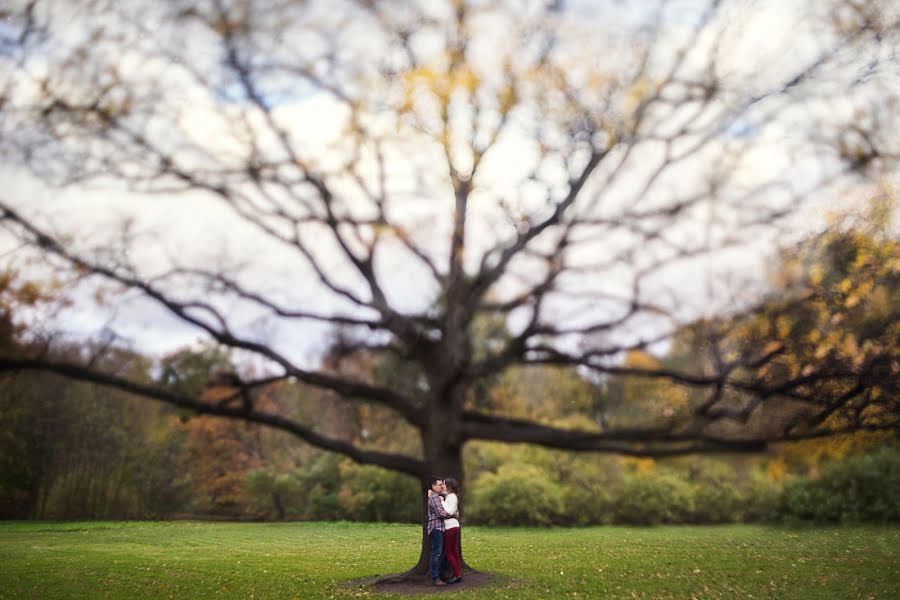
[(436, 516)]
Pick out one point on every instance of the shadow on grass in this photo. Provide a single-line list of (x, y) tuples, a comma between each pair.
[(403, 584)]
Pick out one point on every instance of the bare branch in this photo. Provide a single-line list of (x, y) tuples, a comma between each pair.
[(221, 333), (395, 462)]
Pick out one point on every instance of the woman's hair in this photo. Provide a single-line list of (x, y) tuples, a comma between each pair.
[(452, 485)]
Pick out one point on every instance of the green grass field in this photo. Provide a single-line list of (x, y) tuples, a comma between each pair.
[(311, 560)]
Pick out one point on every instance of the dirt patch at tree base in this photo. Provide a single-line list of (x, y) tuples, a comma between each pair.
[(422, 585)]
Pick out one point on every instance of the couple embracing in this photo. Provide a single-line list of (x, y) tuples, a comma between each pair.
[(443, 528)]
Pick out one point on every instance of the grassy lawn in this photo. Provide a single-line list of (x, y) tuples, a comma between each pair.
[(310, 560)]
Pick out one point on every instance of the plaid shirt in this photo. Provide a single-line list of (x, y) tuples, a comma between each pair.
[(436, 513)]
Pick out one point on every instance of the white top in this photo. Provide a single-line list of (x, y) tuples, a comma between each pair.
[(450, 503)]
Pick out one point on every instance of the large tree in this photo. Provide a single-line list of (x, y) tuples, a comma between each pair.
[(409, 172)]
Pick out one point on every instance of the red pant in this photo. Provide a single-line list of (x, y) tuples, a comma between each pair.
[(451, 550)]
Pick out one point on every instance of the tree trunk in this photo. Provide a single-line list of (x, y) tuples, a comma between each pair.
[(281, 513), (442, 460)]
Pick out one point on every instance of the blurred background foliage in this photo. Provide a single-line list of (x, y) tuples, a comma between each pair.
[(75, 451)]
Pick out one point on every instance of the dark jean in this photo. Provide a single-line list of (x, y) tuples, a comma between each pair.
[(437, 552)]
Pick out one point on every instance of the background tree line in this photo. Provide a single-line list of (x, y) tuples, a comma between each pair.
[(77, 450)]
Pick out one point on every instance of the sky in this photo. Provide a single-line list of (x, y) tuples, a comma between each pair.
[(762, 40)]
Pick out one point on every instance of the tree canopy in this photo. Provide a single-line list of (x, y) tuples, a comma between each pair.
[(470, 189)]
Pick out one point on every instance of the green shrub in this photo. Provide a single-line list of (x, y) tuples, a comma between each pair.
[(759, 497), (374, 494), (718, 494), (860, 489), (585, 485), (273, 495), (516, 494), (321, 483), (586, 505), (654, 498)]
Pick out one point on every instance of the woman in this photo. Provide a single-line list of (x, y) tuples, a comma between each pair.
[(451, 529)]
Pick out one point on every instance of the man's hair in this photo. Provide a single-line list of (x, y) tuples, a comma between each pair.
[(433, 479)]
